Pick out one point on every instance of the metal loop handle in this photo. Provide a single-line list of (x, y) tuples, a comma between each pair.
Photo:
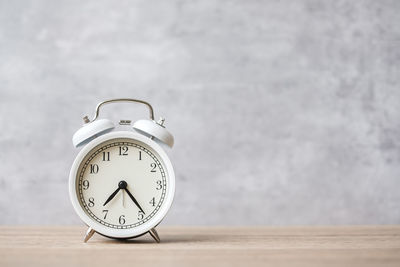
[(96, 115)]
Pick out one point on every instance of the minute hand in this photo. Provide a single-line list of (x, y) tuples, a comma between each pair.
[(134, 200)]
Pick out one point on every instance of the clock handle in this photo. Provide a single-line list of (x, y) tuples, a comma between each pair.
[(96, 114)]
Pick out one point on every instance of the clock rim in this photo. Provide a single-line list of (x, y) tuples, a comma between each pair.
[(130, 232)]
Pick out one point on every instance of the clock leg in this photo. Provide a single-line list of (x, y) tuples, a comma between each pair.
[(89, 234), (154, 234)]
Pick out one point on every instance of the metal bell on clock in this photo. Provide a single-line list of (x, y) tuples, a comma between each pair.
[(91, 130), (154, 129)]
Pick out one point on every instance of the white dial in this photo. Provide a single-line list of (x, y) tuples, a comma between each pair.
[(122, 184)]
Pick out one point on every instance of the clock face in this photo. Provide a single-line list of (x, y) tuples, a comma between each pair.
[(121, 183)]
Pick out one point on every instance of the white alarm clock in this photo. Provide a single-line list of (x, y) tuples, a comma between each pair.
[(122, 182)]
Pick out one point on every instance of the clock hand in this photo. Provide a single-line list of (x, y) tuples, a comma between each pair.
[(121, 185), (134, 200), (111, 196)]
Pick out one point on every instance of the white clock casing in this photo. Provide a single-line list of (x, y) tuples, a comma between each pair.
[(130, 232)]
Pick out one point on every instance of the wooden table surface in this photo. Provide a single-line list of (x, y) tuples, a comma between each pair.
[(205, 246)]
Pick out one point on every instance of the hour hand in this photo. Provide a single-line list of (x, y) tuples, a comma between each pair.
[(111, 196), (134, 200), (121, 185)]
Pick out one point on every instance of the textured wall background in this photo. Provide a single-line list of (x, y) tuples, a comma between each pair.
[(284, 112)]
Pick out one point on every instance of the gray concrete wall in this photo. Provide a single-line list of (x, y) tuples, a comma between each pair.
[(284, 112)]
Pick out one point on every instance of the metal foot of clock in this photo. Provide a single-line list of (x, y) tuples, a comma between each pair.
[(154, 234), (89, 234)]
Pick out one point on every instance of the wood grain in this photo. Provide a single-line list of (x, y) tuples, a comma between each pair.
[(205, 246)]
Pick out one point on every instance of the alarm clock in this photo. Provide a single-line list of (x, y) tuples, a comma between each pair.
[(122, 182)]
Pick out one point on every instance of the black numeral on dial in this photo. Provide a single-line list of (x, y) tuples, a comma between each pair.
[(159, 185), (153, 167), (85, 184), (94, 168), (91, 202), (105, 213), (140, 215), (121, 219), (106, 156), (153, 202), (123, 151)]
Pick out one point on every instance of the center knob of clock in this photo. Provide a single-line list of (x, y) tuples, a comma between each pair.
[(122, 184)]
